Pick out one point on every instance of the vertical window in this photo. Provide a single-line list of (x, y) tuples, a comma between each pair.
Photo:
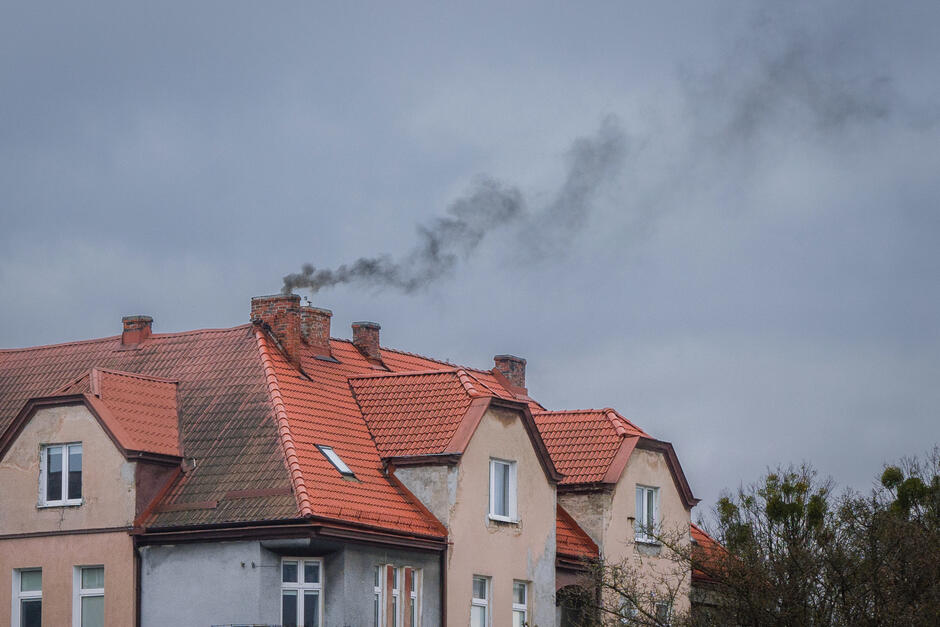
[(88, 596), (61, 474), (414, 596), (27, 598), (647, 513), (377, 601), (480, 603), (503, 490), (396, 595), (300, 592), (520, 604), (663, 611)]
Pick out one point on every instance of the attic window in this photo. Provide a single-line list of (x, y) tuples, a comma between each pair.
[(331, 455)]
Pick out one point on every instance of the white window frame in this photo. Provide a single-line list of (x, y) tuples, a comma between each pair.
[(414, 620), (524, 606), (482, 602), (79, 593), (301, 586), (643, 531), (19, 596), (396, 597), (63, 500), (512, 515), (379, 596)]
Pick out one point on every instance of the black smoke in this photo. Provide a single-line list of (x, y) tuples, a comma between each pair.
[(488, 206)]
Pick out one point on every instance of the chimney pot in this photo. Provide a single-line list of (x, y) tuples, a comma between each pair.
[(366, 338), (511, 367), (136, 329)]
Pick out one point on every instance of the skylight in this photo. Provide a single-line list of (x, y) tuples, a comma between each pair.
[(331, 455)]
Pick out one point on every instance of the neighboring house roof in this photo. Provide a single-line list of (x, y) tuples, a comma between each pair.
[(591, 447), (706, 552), (570, 540)]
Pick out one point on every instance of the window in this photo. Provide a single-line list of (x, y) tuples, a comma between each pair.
[(397, 596), (520, 606), (27, 598), (663, 612), (60, 475), (503, 490), (300, 592), (336, 460), (88, 596), (647, 513), (480, 603)]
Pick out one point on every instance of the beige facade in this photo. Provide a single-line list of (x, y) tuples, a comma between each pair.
[(57, 538), (607, 516), (504, 552)]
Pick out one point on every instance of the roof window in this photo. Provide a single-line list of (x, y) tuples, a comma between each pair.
[(331, 455)]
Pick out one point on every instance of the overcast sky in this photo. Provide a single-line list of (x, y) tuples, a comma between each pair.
[(725, 219)]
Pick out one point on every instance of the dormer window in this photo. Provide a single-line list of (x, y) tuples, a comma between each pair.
[(335, 459), (60, 475)]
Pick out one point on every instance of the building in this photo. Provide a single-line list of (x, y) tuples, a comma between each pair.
[(271, 474)]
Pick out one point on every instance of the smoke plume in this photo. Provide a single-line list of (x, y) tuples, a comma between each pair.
[(490, 205)]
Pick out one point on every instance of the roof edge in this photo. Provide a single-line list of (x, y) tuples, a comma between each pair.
[(672, 461), (283, 428)]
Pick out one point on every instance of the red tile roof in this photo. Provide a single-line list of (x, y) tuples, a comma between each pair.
[(706, 551), (418, 413), (570, 539), (144, 409), (584, 443)]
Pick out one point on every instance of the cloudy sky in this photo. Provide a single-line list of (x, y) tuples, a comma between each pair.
[(720, 219)]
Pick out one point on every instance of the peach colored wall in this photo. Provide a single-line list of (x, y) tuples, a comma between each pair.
[(504, 552), (57, 556), (107, 477)]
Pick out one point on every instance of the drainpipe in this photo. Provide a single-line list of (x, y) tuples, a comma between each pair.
[(137, 590), (444, 585)]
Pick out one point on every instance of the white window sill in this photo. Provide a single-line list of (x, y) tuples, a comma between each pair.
[(504, 519), (60, 504), (646, 540)]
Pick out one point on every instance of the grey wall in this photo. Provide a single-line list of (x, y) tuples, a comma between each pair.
[(199, 585)]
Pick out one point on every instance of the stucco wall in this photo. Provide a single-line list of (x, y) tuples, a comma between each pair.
[(239, 582), (435, 486), (107, 477), (504, 552), (57, 556)]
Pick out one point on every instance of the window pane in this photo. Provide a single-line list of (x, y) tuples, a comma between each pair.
[(54, 474), (639, 506), (500, 488), (378, 576), (375, 612), (75, 471), (518, 619), (92, 578), (394, 616), (414, 615), (289, 572), (92, 611), (311, 609), (395, 578), (650, 509), (30, 580), (289, 608), (31, 613), (311, 572), (477, 616), (479, 588), (505, 500)]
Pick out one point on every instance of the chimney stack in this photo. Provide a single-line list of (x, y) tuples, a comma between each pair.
[(136, 329), (366, 338), (511, 367), (281, 313), (315, 329)]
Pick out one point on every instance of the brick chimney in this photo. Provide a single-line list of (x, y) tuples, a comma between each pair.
[(281, 313), (366, 338), (315, 329), (136, 329), (511, 367)]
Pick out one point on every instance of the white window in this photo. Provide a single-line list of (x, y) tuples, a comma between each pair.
[(520, 604), (336, 460), (503, 490), (480, 603), (647, 513), (663, 612), (301, 601), (88, 596), (396, 599), (377, 612), (60, 475), (27, 598)]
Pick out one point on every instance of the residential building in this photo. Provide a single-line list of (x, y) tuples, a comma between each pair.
[(272, 474)]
